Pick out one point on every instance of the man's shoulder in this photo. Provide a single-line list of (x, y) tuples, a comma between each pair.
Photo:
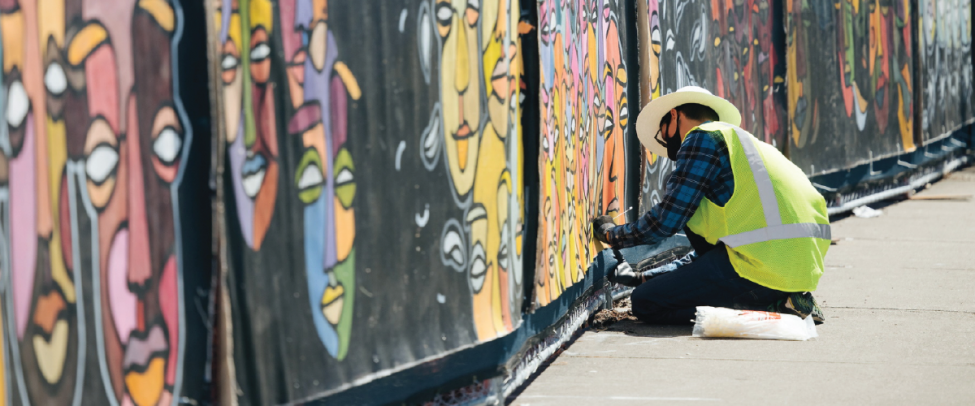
[(706, 133)]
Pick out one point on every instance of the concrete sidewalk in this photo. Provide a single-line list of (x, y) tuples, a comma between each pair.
[(899, 297)]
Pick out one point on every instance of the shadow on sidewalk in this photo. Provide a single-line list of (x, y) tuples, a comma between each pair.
[(639, 329)]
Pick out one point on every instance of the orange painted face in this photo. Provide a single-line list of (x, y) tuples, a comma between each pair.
[(614, 123)]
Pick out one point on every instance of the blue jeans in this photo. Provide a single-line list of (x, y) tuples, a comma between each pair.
[(710, 280)]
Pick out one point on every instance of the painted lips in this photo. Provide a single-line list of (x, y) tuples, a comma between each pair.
[(332, 303), (253, 171)]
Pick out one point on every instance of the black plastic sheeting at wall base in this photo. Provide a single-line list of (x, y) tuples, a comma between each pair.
[(841, 187), (490, 371)]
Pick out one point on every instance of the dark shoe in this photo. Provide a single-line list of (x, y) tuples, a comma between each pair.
[(801, 304)]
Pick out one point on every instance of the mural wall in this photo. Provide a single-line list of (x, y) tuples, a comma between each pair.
[(392, 178), (730, 47), (95, 142), (850, 81), (403, 190), (945, 63)]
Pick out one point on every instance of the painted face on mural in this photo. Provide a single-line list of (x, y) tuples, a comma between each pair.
[(249, 112), (655, 46), (499, 33), (44, 308), (132, 150), (324, 178), (460, 89), (489, 253), (493, 218), (614, 122)]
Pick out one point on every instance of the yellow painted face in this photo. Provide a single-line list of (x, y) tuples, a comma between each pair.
[(231, 70), (655, 46), (501, 62), (460, 96), (483, 220)]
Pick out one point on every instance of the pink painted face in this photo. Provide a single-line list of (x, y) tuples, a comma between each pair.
[(132, 145), (42, 318)]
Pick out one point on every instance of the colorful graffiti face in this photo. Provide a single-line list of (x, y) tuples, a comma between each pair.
[(615, 122), (493, 219), (460, 90), (249, 114), (132, 150), (43, 300), (655, 47), (111, 134), (324, 179)]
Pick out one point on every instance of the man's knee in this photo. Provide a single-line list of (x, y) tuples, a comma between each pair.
[(643, 304)]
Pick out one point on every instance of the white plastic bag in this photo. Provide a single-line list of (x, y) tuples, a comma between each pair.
[(723, 322), (866, 212)]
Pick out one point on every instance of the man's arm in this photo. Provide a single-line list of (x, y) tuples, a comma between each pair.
[(698, 165)]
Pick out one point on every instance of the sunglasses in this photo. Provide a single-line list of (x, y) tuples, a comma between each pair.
[(664, 122)]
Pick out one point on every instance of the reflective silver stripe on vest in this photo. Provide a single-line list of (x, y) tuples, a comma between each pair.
[(775, 230), (770, 205), (779, 232)]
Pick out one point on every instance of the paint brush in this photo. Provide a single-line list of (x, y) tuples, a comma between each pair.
[(618, 215)]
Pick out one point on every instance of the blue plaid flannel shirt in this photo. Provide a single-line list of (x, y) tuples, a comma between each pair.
[(703, 170)]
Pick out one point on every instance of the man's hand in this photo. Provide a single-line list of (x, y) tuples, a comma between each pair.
[(624, 274), (600, 226)]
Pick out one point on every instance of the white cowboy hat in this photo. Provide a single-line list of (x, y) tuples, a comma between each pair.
[(648, 122)]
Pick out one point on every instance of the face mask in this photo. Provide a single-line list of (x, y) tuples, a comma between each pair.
[(672, 144)]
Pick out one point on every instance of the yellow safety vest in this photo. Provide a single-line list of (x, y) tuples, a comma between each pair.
[(775, 225)]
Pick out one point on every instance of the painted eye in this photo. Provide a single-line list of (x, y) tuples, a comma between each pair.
[(503, 249), (345, 176), (344, 173), (474, 4), (260, 52), (101, 163), (167, 145), (17, 104), (478, 268), (308, 177), (55, 80), (624, 114), (444, 13), (311, 176), (228, 62), (452, 246), (608, 125)]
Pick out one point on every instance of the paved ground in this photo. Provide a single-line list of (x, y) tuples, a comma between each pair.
[(899, 294)]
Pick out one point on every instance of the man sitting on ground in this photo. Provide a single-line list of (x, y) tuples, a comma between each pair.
[(758, 227)]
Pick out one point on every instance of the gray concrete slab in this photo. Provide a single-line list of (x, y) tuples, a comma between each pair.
[(899, 294)]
